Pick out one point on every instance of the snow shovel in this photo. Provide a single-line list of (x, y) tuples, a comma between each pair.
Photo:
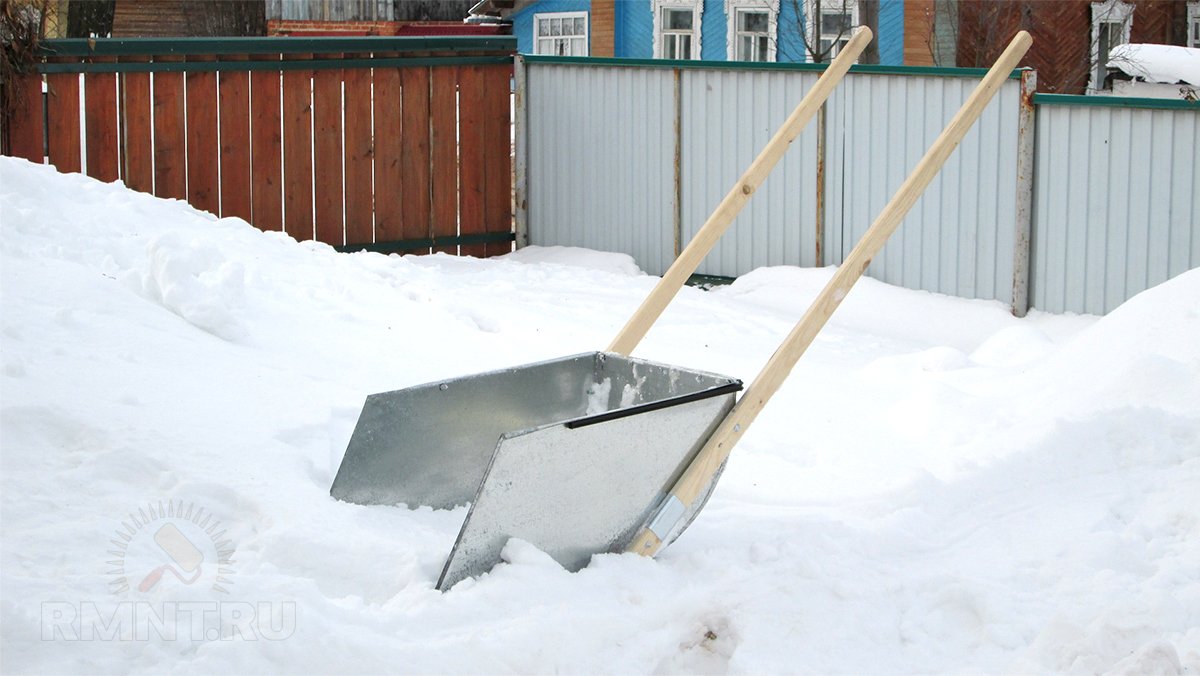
[(573, 454), (597, 452)]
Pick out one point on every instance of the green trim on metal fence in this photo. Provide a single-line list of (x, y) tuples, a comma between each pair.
[(865, 69), (273, 45), (868, 69), (1114, 102), (298, 64), (430, 242)]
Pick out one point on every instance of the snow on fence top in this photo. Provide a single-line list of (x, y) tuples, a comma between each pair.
[(1167, 64)]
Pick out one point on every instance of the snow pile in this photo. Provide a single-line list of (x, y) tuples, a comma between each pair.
[(939, 487), (1168, 64), (616, 263)]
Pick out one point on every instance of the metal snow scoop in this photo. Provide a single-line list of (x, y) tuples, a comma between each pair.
[(601, 452)]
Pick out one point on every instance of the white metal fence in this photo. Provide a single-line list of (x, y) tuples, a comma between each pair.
[(632, 156), (600, 159), (726, 119), (960, 237), (1117, 204)]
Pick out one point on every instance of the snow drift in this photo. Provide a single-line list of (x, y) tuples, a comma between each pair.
[(939, 487)]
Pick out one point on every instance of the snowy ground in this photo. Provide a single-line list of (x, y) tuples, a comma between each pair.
[(939, 487)]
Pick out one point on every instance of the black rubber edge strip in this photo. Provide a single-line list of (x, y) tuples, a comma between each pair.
[(735, 386)]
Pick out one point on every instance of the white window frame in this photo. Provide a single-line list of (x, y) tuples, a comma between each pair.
[(732, 7), (539, 39), (1108, 12), (811, 7), (1193, 25), (697, 9)]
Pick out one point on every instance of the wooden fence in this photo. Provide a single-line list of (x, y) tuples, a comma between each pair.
[(391, 144)]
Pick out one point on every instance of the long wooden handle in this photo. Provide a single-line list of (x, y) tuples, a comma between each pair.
[(704, 466), (721, 218)]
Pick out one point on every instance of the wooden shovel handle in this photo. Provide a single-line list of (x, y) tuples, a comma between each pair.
[(704, 466), (720, 219)]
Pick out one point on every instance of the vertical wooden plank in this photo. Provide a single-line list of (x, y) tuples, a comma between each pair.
[(203, 149), (327, 152), (414, 154), (471, 158), (919, 32), (170, 144), (444, 110), (233, 102), (297, 151), (359, 188), (266, 148), (497, 156), (389, 201), (63, 112), (100, 126), (25, 128), (137, 131)]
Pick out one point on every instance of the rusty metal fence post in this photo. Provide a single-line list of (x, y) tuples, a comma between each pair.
[(1026, 129)]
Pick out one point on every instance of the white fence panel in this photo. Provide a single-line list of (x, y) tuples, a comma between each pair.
[(728, 116), (960, 237), (1116, 206), (633, 158), (600, 163)]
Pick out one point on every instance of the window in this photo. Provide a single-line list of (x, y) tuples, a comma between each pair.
[(561, 34), (677, 29), (752, 29), (1110, 27), (678, 33), (751, 35), (1193, 24), (830, 26)]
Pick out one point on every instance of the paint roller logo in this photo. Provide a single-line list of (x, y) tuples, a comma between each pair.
[(168, 563), (181, 550), (179, 544)]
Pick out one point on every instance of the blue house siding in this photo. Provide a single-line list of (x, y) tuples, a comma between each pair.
[(891, 32), (789, 37), (634, 29), (713, 30)]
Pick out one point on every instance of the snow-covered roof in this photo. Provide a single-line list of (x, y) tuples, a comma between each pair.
[(1158, 63)]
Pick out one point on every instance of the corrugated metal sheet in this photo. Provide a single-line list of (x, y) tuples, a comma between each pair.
[(728, 116), (601, 147), (1116, 204), (959, 237)]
